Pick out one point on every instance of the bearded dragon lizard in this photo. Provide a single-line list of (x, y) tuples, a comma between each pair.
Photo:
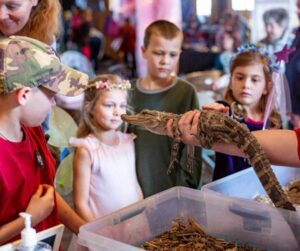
[(214, 127)]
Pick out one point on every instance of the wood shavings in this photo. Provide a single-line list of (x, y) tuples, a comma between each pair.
[(188, 237)]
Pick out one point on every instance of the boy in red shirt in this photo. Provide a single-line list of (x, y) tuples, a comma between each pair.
[(30, 75)]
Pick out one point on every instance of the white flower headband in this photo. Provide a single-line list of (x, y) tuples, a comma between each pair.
[(108, 85)]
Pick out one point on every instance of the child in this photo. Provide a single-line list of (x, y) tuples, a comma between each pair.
[(250, 97), (104, 162), (161, 90), (31, 74)]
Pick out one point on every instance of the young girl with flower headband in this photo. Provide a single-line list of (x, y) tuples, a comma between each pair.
[(104, 161), (256, 87)]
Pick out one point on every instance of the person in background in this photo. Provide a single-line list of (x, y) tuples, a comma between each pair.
[(228, 46), (292, 73), (96, 43), (27, 167), (81, 35), (242, 25), (111, 27), (229, 22), (76, 19), (193, 37), (250, 99), (31, 18), (104, 162), (161, 90), (277, 29), (127, 48)]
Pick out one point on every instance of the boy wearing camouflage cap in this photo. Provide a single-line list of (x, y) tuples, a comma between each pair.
[(30, 75)]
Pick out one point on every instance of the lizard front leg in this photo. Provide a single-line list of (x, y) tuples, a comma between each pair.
[(175, 147)]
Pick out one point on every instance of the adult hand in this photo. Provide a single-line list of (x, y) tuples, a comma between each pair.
[(41, 203), (188, 125)]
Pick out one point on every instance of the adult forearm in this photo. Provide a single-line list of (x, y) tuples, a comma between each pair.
[(281, 147)]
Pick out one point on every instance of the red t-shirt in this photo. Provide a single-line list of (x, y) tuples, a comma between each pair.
[(21, 173)]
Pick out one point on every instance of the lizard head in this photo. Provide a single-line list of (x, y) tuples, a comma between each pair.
[(154, 121)]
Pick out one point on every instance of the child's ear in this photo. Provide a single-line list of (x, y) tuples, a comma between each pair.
[(268, 87), (143, 49), (23, 95)]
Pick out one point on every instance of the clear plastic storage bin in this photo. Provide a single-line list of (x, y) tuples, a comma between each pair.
[(233, 219), (245, 184)]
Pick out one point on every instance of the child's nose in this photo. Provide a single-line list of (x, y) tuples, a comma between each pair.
[(165, 59), (247, 83), (117, 111), (269, 29)]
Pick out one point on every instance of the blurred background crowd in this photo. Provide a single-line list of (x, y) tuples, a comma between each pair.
[(106, 32)]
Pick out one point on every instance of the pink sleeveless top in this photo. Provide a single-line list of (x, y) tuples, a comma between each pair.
[(113, 182)]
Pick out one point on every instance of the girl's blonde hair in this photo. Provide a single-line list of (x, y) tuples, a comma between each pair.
[(44, 21), (87, 125), (249, 58)]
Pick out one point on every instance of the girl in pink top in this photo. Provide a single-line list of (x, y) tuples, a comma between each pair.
[(104, 161)]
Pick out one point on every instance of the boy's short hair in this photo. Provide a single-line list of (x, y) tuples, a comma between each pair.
[(162, 28), (28, 62)]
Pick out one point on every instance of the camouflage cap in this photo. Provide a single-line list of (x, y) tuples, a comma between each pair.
[(28, 62)]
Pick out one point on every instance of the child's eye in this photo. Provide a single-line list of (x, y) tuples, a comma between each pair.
[(108, 105), (173, 55), (158, 53), (124, 106), (13, 6)]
